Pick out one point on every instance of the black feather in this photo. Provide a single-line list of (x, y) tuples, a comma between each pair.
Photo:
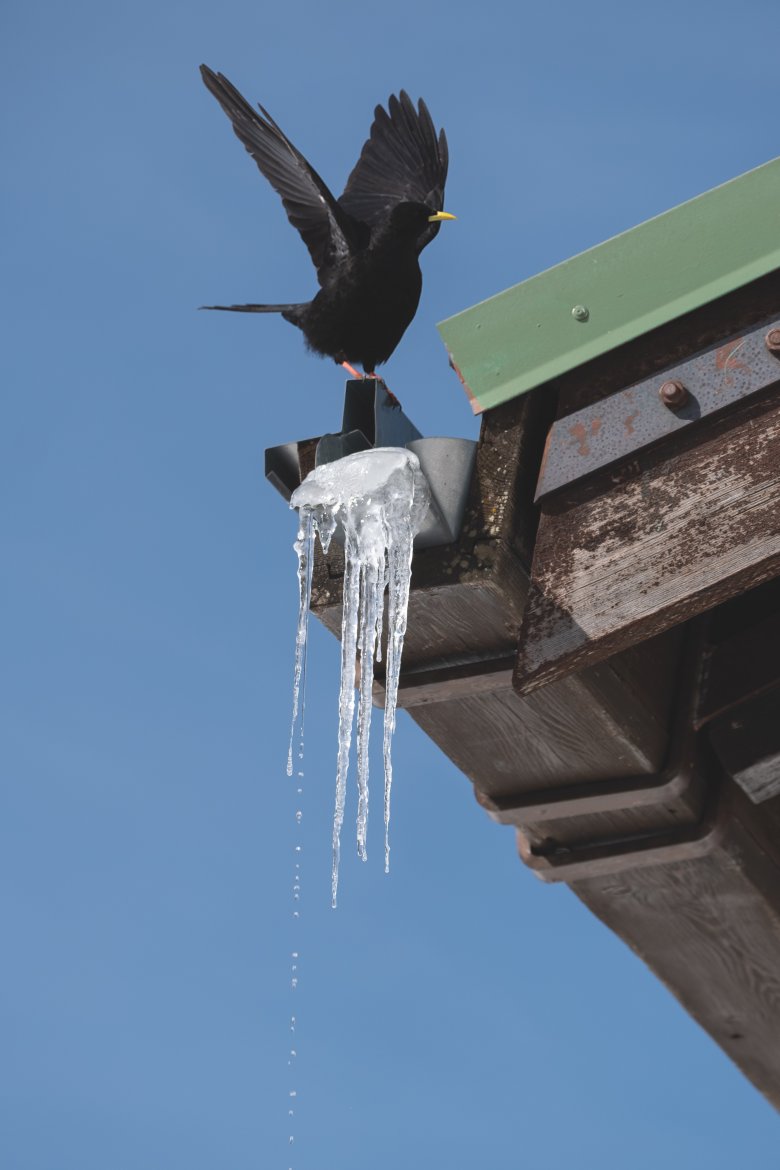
[(364, 245)]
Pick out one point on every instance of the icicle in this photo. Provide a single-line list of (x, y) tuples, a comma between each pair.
[(378, 499), (304, 547), (349, 634), (399, 576)]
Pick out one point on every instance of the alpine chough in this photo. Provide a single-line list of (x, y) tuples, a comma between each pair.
[(365, 245)]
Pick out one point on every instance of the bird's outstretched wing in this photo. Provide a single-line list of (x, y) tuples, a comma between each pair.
[(402, 161), (328, 230)]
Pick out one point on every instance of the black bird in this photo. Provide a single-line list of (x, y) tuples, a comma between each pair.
[(365, 244)]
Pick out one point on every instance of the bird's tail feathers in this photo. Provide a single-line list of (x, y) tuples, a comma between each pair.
[(256, 308)]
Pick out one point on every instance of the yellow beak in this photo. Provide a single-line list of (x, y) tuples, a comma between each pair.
[(440, 215)]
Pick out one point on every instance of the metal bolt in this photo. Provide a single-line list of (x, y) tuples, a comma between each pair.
[(580, 313), (772, 340), (673, 394)]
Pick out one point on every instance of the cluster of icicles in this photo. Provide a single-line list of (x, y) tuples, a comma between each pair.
[(375, 501)]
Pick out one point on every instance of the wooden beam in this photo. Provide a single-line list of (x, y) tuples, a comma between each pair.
[(709, 927), (467, 680), (666, 537)]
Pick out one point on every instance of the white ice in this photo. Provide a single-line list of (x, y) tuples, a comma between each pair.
[(378, 500)]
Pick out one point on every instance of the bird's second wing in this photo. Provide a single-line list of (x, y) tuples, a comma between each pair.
[(328, 230), (402, 161)]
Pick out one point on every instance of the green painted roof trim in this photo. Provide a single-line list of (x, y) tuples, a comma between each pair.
[(634, 282)]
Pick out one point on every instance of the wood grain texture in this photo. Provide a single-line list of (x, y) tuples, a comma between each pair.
[(710, 929), (581, 728), (676, 533)]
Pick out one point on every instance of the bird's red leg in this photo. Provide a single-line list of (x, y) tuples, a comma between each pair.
[(374, 378)]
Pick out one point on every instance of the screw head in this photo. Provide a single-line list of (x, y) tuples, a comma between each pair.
[(580, 312), (772, 341), (673, 394)]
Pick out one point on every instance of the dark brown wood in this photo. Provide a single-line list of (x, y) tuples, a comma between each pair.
[(743, 660), (608, 772), (742, 668), (709, 927), (677, 533), (674, 796), (747, 741), (450, 682), (596, 858)]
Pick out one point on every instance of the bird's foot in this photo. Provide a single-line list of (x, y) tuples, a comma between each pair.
[(393, 400), (374, 378)]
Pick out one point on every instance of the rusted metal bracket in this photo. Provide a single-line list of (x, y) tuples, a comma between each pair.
[(670, 401)]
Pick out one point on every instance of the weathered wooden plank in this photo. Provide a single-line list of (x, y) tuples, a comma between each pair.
[(677, 533), (597, 858), (594, 726), (554, 819), (710, 929)]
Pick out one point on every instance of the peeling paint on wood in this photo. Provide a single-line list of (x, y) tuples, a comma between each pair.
[(670, 536)]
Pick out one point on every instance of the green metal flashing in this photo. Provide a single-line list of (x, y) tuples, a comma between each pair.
[(618, 290)]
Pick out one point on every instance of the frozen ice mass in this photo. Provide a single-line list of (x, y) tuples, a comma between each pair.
[(376, 501)]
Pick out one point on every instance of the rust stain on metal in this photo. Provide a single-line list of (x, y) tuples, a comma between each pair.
[(617, 427), (724, 356), (726, 361), (582, 435)]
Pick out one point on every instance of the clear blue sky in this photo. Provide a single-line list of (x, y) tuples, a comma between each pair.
[(458, 1013)]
